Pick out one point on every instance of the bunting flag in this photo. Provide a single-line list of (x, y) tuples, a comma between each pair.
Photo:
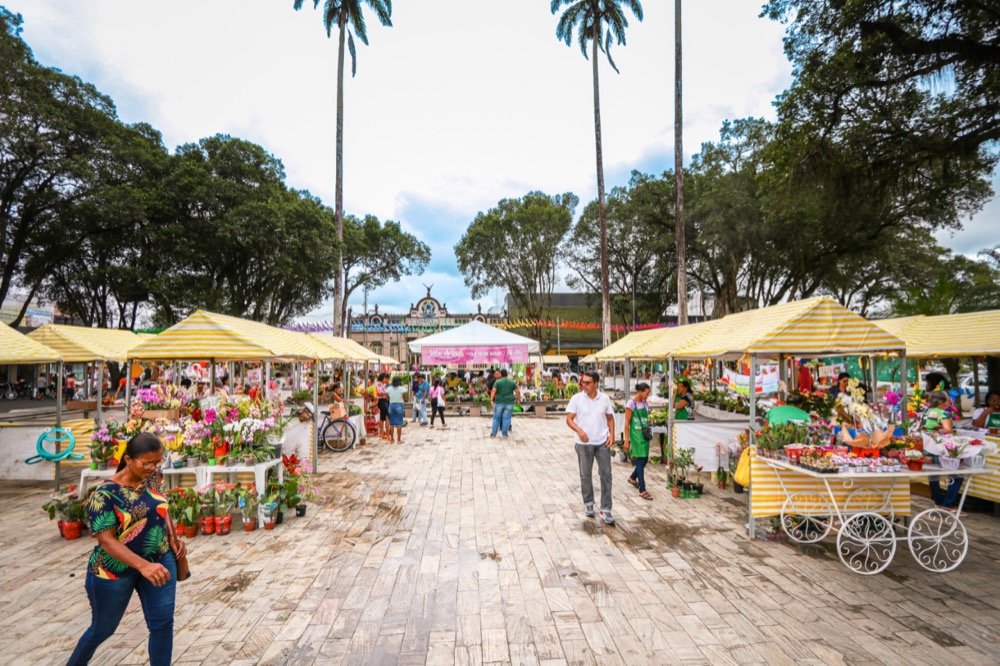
[(574, 325)]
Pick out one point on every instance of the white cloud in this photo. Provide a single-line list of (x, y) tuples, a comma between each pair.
[(461, 103)]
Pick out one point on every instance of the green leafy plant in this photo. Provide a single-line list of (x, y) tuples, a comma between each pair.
[(66, 505), (571, 389)]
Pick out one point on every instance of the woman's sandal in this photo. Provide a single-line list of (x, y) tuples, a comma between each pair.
[(634, 482), (645, 495)]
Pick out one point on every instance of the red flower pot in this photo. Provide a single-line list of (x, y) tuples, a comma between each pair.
[(223, 524), (71, 529), (249, 525), (915, 465), (207, 525), (190, 531)]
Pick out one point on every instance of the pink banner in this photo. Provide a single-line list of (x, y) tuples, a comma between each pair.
[(483, 354)]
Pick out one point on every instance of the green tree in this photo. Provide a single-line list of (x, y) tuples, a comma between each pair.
[(243, 243), (595, 22), (376, 253), (348, 17), (641, 259), (515, 246), (943, 55), (57, 134)]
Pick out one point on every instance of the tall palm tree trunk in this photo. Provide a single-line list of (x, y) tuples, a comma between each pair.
[(602, 218), (339, 327), (682, 304)]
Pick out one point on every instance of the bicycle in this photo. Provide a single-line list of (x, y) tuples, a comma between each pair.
[(337, 434)]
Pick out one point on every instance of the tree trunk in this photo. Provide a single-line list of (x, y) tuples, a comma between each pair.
[(602, 218), (338, 278), (682, 305)]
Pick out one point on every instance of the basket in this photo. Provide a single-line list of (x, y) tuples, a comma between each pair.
[(949, 463)]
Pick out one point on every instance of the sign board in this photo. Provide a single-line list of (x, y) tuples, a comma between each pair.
[(480, 354)]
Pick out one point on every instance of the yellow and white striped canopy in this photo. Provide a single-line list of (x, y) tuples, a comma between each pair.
[(387, 360), (669, 340), (208, 335), (622, 348), (81, 344), (811, 327), (944, 336), (555, 359), (348, 349), (15, 347)]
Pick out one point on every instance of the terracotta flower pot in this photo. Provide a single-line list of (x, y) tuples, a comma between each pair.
[(269, 523), (71, 529), (223, 524), (60, 524), (915, 465), (190, 531), (675, 491), (249, 525), (208, 525)]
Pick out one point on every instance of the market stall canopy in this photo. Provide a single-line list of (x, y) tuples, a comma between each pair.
[(81, 344), (386, 360), (664, 342), (811, 327), (555, 359), (474, 342), (348, 349), (15, 347), (207, 335), (948, 336), (621, 348)]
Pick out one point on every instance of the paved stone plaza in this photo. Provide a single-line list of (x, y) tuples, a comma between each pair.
[(455, 548)]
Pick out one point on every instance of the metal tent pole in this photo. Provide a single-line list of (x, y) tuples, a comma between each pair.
[(315, 433), (59, 408), (100, 394), (671, 412), (753, 439)]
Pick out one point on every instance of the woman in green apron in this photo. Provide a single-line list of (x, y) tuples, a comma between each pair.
[(637, 436), (683, 401)]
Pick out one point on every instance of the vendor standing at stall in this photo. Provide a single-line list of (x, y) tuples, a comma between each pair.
[(683, 400), (937, 420), (981, 417)]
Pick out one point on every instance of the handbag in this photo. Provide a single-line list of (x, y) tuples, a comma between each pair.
[(183, 568), (742, 474), (647, 432)]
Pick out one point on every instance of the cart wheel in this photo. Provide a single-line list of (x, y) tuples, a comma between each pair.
[(864, 500), (866, 543), (938, 540), (806, 517)]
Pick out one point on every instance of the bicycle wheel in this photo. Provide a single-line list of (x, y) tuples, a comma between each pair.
[(339, 436)]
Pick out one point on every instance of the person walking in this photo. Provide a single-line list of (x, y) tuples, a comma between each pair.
[(421, 398), (135, 552), (591, 416), (382, 401), (503, 396), (636, 442), (437, 402), (397, 416)]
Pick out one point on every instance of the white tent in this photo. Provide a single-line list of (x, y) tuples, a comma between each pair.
[(474, 342)]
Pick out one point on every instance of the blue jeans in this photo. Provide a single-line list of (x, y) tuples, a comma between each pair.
[(639, 473), (421, 412), (947, 498), (501, 418), (108, 601)]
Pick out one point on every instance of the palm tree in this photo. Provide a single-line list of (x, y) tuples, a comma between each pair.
[(347, 16), (595, 23), (682, 296)]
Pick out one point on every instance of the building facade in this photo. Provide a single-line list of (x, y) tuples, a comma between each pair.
[(390, 334)]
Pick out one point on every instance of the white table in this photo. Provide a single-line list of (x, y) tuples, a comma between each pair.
[(259, 470), (864, 521), (97, 475)]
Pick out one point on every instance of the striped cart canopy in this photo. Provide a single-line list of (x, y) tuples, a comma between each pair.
[(81, 344), (15, 347), (948, 336)]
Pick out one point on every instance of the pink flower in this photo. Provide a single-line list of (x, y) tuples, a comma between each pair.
[(210, 416)]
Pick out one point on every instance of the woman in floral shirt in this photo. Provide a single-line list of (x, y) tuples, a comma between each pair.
[(128, 517)]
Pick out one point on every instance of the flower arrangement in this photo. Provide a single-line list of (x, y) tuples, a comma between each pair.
[(913, 454), (103, 444), (161, 396)]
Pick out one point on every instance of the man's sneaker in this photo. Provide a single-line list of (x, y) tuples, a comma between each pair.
[(608, 518), (589, 510)]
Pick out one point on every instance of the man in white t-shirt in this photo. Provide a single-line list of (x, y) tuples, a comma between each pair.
[(591, 416)]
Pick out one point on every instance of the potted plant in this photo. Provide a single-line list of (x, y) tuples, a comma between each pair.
[(184, 507), (248, 502), (206, 513), (71, 512), (102, 446), (914, 459), (223, 500)]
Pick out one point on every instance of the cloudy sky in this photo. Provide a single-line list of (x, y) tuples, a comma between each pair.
[(458, 105)]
